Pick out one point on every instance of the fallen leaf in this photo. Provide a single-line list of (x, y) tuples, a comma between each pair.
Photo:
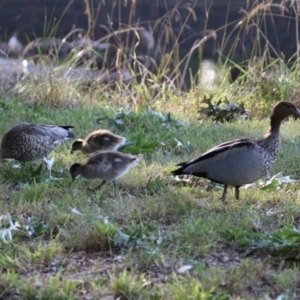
[(183, 269)]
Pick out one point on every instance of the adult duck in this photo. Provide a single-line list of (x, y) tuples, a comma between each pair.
[(241, 161), (28, 142)]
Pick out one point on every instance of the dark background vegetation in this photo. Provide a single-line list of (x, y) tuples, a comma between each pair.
[(275, 21)]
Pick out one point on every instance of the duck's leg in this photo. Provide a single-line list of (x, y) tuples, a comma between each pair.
[(97, 187), (237, 193), (100, 185), (115, 187), (224, 192)]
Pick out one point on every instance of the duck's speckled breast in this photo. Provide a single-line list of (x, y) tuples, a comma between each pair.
[(269, 149)]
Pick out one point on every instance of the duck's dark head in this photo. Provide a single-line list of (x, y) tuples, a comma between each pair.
[(284, 109), (76, 146), (75, 170)]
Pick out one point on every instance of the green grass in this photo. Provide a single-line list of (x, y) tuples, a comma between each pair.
[(65, 243), (70, 243)]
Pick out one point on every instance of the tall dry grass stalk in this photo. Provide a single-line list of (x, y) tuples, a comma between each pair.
[(152, 52)]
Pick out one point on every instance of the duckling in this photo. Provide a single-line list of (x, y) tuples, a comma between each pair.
[(98, 140), (105, 165), (28, 142), (241, 161)]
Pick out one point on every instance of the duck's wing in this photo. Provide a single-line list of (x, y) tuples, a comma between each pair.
[(230, 143), (52, 131), (96, 138), (96, 157), (218, 149), (218, 152), (242, 144), (235, 163), (108, 157)]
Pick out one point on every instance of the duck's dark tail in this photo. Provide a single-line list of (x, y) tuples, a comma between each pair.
[(70, 133), (179, 171)]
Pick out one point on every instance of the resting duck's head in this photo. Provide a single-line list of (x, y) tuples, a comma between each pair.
[(284, 109)]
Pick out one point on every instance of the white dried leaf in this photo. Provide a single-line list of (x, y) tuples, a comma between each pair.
[(49, 162), (75, 211), (184, 269), (179, 144), (286, 179)]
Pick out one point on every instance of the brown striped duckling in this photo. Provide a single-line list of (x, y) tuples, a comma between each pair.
[(28, 142), (98, 140), (105, 165), (241, 161)]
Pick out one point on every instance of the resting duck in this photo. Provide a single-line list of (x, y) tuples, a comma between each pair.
[(28, 142), (105, 165), (98, 140), (241, 161)]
